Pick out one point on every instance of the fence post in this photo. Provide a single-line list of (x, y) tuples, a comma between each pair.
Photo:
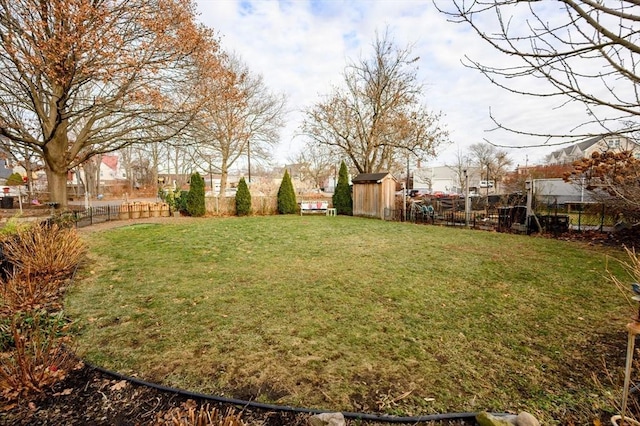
[(602, 219), (580, 220)]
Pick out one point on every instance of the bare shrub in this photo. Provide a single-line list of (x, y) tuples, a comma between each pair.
[(47, 251), (188, 414), (631, 406), (26, 292), (632, 268), (33, 331), (33, 356)]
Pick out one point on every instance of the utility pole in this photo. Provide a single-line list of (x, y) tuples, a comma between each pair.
[(467, 199), (529, 186), (405, 193), (249, 160)]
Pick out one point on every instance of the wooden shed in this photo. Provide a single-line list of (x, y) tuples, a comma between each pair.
[(372, 193)]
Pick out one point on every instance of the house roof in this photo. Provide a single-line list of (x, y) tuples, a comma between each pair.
[(579, 148), (110, 161), (582, 146), (371, 177)]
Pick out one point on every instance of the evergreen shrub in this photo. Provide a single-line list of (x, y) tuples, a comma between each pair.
[(243, 199), (286, 196), (342, 198), (195, 205)]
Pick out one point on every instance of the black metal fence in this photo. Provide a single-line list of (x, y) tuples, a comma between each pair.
[(580, 216), (92, 215), (555, 218), (552, 217)]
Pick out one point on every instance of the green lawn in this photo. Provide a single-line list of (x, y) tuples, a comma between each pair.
[(355, 314)]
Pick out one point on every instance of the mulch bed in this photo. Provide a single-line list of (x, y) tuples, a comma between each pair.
[(90, 397)]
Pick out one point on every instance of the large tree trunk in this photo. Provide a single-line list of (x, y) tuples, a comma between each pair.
[(224, 175), (92, 175), (57, 187), (54, 156)]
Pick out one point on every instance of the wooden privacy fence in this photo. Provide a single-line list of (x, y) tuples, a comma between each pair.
[(260, 205), (216, 206), (226, 206)]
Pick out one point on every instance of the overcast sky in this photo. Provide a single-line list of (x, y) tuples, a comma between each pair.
[(301, 48)]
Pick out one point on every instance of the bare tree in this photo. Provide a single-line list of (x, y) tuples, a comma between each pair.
[(462, 168), (317, 163), (89, 174), (587, 51), (493, 162), (181, 162), (140, 163), (377, 118), (516, 181), (242, 118), (83, 77)]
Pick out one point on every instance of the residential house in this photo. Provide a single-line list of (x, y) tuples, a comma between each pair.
[(585, 148), (5, 169), (111, 170), (111, 174), (446, 179)]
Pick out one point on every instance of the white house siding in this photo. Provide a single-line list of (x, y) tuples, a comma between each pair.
[(443, 178)]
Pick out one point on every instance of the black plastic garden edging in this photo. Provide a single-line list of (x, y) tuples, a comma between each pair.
[(284, 408)]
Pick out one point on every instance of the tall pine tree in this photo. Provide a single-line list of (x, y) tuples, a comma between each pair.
[(342, 200), (195, 197), (287, 196), (243, 199)]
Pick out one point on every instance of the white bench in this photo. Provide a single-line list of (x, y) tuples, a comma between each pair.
[(314, 207)]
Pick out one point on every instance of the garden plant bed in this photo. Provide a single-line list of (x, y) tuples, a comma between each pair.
[(90, 397)]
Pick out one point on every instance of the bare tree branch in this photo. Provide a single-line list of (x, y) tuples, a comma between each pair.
[(83, 77), (377, 117), (586, 51)]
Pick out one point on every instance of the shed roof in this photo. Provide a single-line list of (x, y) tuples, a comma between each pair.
[(371, 177)]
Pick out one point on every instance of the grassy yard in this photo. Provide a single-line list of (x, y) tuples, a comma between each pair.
[(356, 314)]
